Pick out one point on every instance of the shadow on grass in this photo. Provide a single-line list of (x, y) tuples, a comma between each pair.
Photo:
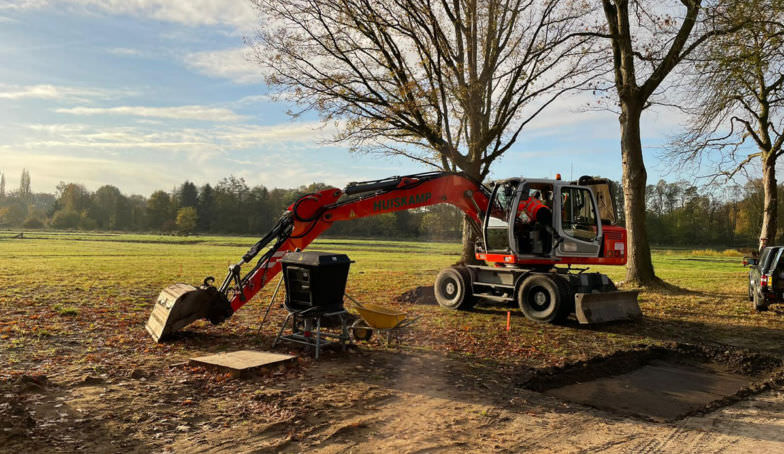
[(754, 338), (664, 288)]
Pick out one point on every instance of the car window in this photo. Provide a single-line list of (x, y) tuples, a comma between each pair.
[(768, 256), (774, 263), (764, 257)]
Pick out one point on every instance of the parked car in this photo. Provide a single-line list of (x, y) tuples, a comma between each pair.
[(766, 277)]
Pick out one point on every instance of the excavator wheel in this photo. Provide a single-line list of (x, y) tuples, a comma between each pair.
[(543, 299), (453, 288)]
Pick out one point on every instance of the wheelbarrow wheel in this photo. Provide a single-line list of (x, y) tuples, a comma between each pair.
[(360, 331)]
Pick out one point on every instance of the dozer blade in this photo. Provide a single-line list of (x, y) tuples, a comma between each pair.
[(179, 305), (606, 306)]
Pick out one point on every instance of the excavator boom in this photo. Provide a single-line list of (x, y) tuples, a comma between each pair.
[(306, 219)]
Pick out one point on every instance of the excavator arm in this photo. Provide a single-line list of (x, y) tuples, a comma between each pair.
[(306, 219)]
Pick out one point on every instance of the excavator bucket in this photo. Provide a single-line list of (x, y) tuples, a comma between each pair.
[(179, 305), (603, 307)]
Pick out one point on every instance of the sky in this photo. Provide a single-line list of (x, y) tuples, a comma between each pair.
[(145, 94)]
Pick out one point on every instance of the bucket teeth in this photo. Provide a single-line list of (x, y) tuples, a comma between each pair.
[(179, 305), (604, 307)]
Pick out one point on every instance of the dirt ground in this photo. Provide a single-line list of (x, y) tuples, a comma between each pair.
[(363, 400), (78, 372)]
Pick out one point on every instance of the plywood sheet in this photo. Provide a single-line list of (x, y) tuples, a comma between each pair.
[(241, 360)]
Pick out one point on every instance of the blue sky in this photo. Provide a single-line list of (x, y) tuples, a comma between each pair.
[(144, 94)]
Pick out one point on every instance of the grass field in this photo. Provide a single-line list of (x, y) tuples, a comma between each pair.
[(99, 287), (74, 305)]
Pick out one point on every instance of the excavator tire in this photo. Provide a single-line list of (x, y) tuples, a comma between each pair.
[(543, 298), (453, 288)]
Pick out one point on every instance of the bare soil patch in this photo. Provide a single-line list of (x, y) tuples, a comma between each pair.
[(661, 383), (424, 295)]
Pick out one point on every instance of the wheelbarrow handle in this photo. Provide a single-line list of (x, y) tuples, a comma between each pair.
[(356, 303), (407, 322)]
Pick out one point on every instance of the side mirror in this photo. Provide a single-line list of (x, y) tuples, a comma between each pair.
[(749, 261)]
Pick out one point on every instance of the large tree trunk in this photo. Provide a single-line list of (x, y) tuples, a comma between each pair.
[(639, 268), (470, 236), (769, 217)]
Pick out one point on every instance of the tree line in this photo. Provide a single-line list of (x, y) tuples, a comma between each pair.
[(229, 207), (677, 213)]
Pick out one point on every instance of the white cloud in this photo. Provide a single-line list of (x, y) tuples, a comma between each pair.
[(238, 14), (125, 51), (253, 100), (179, 113), (22, 4), (248, 136), (578, 116), (141, 158), (46, 91), (198, 141), (232, 64)]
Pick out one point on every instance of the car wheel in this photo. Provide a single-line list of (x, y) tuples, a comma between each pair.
[(759, 303)]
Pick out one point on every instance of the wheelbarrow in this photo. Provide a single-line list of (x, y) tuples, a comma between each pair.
[(378, 319)]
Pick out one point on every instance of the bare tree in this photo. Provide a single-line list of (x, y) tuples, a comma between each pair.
[(647, 42), (24, 185), (449, 83), (739, 89)]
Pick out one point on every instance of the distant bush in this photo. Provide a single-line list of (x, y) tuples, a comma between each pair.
[(87, 223), (66, 219), (33, 223), (186, 220), (13, 214)]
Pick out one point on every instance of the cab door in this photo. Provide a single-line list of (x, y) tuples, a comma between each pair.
[(577, 221), (499, 219)]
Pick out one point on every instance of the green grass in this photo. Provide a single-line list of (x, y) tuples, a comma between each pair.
[(87, 296)]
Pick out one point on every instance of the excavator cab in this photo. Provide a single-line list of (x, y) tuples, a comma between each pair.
[(533, 231), (567, 223)]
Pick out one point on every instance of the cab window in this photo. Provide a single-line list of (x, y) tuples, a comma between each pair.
[(578, 214), (497, 231)]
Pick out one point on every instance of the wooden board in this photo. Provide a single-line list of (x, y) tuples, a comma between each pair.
[(242, 360)]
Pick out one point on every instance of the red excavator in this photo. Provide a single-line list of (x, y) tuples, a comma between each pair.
[(536, 237)]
